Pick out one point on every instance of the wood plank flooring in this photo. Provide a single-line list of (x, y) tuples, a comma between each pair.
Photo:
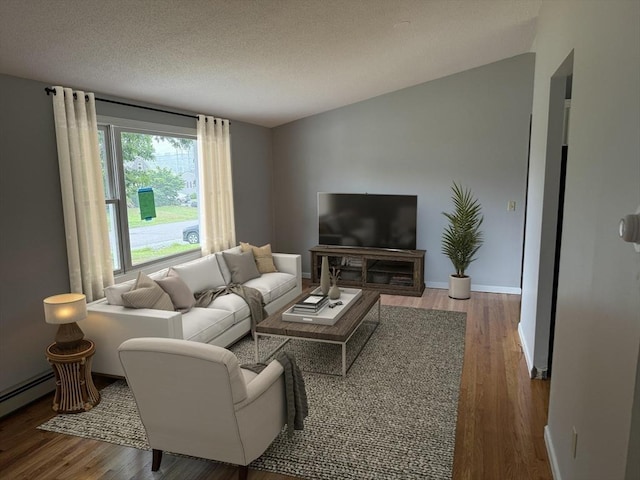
[(501, 415)]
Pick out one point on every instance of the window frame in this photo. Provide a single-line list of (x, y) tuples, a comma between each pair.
[(115, 191)]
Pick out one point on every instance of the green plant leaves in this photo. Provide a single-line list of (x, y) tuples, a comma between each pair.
[(462, 238)]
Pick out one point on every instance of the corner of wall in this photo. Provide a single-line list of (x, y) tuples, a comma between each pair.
[(528, 354)]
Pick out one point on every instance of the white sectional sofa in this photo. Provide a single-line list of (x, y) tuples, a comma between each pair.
[(221, 323)]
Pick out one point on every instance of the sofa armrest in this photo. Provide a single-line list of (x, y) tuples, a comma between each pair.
[(110, 325), (289, 263)]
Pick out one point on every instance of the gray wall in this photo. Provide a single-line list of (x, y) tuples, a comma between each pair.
[(597, 330), (33, 253), (472, 127), (32, 248)]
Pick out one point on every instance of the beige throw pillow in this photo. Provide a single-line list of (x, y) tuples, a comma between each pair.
[(146, 293), (262, 255)]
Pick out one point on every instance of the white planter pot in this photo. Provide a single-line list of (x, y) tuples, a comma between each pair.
[(460, 287)]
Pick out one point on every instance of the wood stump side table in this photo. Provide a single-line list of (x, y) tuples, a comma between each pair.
[(75, 391)]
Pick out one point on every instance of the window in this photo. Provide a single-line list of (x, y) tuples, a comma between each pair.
[(151, 191)]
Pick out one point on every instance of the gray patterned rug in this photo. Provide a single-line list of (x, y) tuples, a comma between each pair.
[(392, 417)]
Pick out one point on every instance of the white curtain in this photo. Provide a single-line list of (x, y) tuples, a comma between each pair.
[(85, 217), (217, 224)]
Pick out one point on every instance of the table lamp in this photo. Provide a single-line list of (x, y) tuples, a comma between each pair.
[(65, 310)]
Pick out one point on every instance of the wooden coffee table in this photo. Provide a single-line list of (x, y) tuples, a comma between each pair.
[(340, 333)]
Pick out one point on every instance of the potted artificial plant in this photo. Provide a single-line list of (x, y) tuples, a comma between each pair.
[(461, 239)]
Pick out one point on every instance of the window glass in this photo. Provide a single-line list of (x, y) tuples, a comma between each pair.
[(112, 221), (152, 178)]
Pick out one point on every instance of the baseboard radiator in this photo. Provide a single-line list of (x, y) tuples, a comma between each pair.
[(26, 392)]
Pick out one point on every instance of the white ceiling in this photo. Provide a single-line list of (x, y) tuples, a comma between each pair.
[(266, 62)]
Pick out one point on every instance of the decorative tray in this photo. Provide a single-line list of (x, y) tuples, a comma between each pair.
[(327, 315)]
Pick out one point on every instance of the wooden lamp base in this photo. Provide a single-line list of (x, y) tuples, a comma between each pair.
[(69, 336)]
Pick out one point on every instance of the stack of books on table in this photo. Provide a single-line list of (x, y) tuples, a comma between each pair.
[(311, 304)]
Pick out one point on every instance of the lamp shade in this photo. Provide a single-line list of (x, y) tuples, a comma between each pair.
[(65, 308)]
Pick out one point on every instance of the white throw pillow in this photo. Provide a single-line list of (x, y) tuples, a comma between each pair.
[(114, 292), (201, 274)]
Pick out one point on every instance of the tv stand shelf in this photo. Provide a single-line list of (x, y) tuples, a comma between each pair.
[(395, 272)]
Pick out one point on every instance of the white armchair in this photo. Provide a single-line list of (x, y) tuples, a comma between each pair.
[(194, 399)]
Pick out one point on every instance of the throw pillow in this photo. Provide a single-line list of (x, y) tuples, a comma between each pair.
[(226, 274), (114, 292), (179, 292), (201, 274), (242, 266), (147, 294), (262, 255)]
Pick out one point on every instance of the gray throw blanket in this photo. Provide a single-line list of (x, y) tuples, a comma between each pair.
[(250, 295), (296, 393)]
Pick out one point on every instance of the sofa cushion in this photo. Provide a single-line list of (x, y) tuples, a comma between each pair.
[(273, 285), (113, 293), (205, 324), (179, 292), (146, 293), (201, 274), (223, 265), (242, 266), (262, 256), (232, 303)]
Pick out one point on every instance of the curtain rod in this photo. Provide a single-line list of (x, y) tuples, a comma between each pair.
[(53, 90)]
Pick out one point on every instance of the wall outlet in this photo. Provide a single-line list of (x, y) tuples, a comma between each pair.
[(511, 206), (574, 443)]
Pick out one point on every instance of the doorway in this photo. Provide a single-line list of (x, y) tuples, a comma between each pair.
[(555, 182)]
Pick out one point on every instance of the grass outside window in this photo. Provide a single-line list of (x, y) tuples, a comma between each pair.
[(147, 254), (170, 214)]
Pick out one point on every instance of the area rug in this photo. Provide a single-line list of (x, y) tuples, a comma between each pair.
[(392, 417)]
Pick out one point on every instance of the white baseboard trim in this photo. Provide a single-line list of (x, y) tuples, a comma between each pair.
[(479, 288), (551, 452), (496, 289), (474, 288), (26, 392), (527, 352)]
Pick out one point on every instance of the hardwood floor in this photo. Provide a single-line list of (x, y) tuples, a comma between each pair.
[(501, 415)]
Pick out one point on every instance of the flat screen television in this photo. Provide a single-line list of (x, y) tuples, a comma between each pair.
[(367, 220)]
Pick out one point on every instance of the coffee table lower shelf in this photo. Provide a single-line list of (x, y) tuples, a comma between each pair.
[(340, 333)]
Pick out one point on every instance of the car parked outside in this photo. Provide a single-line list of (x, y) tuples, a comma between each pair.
[(191, 234)]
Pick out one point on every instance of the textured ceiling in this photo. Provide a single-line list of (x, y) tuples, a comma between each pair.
[(266, 62)]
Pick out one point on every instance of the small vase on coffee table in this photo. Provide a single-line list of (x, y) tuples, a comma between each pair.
[(334, 291), (324, 276)]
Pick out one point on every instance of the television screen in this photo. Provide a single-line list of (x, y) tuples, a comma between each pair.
[(367, 220)]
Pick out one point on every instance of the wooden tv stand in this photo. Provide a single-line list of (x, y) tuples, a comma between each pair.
[(395, 272)]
